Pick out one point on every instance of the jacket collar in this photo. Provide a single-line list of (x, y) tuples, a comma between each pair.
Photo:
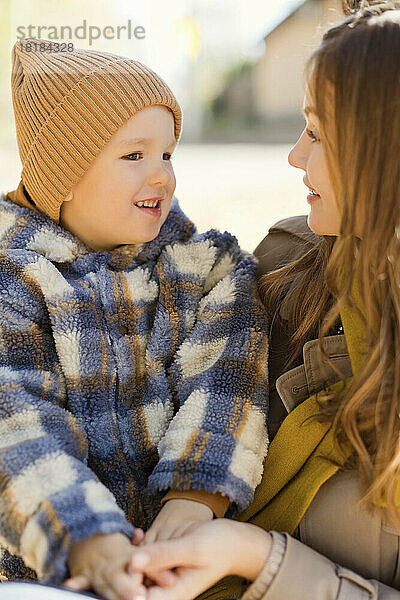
[(23, 226)]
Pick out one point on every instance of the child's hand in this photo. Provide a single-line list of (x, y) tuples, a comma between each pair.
[(175, 517), (102, 563)]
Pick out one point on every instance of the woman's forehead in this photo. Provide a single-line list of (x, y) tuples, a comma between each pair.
[(307, 103), (327, 106)]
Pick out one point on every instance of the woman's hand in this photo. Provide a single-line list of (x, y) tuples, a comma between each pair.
[(202, 556), (102, 562)]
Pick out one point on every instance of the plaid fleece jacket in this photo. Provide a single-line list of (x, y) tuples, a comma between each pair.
[(122, 374)]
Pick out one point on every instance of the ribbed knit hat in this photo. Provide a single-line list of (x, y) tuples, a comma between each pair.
[(67, 105)]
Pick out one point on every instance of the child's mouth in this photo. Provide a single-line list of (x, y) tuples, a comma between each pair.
[(152, 210)]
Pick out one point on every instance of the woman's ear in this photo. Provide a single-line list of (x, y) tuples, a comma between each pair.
[(68, 197)]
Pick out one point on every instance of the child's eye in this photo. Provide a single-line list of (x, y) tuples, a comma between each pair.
[(312, 135), (137, 155)]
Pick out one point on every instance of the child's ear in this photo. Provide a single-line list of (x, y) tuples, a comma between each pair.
[(68, 197)]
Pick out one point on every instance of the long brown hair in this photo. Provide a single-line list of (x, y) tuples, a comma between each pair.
[(354, 85)]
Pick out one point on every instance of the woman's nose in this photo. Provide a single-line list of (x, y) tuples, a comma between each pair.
[(297, 157)]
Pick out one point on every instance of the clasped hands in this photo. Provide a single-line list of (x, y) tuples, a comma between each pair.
[(182, 554)]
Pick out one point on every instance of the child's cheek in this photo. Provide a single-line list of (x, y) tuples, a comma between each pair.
[(172, 184)]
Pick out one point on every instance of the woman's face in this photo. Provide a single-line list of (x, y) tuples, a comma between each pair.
[(133, 167), (308, 155)]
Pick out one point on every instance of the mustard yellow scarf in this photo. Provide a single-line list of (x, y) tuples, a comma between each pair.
[(301, 458)]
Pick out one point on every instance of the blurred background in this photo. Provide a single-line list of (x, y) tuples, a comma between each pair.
[(237, 70)]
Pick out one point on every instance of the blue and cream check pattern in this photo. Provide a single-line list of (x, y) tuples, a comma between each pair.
[(122, 374)]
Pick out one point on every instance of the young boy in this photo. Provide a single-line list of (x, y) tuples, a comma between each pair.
[(133, 350)]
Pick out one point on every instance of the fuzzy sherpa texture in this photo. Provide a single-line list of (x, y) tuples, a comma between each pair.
[(122, 374)]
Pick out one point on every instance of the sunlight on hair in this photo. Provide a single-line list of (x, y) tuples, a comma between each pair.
[(390, 16)]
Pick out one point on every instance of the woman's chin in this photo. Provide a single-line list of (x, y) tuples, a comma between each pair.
[(318, 227), (313, 224)]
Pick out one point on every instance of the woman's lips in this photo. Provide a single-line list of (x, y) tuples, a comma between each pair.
[(312, 197)]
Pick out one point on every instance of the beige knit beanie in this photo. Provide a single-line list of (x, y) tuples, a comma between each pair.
[(67, 105)]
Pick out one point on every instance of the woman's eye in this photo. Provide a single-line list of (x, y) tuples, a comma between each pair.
[(311, 135), (167, 156)]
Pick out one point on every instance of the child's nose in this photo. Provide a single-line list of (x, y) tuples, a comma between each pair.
[(160, 175)]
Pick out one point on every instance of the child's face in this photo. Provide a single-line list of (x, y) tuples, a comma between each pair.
[(103, 212), (308, 155)]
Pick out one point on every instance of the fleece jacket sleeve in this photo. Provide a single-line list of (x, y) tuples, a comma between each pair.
[(218, 439), (49, 497)]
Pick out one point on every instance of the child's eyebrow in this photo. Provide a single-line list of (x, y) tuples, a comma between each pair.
[(143, 141)]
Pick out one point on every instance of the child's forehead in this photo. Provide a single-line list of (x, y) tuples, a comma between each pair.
[(146, 127)]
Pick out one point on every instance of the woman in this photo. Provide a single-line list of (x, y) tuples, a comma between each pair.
[(331, 476)]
